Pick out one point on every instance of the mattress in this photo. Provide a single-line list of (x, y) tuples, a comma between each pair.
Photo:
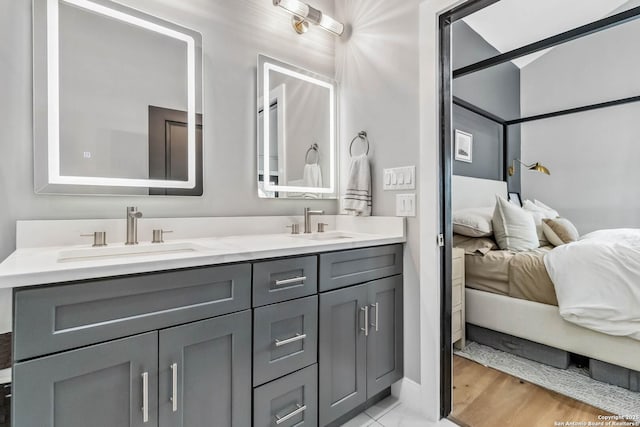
[(515, 274)]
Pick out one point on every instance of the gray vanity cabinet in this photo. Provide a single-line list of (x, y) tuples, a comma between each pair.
[(205, 373), (104, 385), (343, 347), (384, 344), (360, 345)]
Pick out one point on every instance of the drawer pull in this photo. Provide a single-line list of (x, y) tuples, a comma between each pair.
[(174, 387), (298, 337), (366, 320), (145, 397), (292, 280), (375, 324), (300, 409)]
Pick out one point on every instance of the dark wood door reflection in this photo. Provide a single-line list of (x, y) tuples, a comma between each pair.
[(168, 150)]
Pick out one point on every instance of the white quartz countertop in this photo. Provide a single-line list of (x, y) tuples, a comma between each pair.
[(41, 265)]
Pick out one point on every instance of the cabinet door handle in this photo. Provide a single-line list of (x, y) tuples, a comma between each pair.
[(366, 320), (292, 280), (174, 387), (298, 337), (300, 409), (375, 324), (145, 397)]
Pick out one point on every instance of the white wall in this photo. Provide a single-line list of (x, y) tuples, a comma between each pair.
[(378, 70), (592, 156), (233, 32)]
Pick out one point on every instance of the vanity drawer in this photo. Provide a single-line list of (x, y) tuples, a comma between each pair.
[(289, 401), (285, 338), (52, 319), (285, 279), (345, 268)]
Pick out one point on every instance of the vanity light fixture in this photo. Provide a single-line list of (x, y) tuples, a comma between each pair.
[(303, 14), (532, 167)]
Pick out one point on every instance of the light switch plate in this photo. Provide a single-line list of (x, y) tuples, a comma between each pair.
[(403, 178), (406, 205)]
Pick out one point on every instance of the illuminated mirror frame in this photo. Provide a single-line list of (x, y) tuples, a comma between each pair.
[(269, 64), (47, 100)]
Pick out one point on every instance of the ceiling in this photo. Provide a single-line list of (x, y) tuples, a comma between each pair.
[(510, 24)]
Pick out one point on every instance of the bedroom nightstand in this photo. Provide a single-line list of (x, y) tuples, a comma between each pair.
[(457, 311)]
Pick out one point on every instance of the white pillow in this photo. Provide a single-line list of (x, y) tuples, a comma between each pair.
[(473, 222), (513, 227), (554, 213), (538, 214)]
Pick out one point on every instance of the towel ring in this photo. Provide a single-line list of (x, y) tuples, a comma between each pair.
[(314, 147), (363, 136)]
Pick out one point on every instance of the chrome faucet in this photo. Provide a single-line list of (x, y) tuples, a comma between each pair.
[(132, 225), (307, 218)]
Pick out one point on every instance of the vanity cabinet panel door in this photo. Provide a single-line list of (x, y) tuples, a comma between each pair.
[(99, 386), (385, 341), (205, 373), (342, 357)]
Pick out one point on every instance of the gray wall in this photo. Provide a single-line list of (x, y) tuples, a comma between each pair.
[(592, 156), (233, 32), (497, 90), (378, 67)]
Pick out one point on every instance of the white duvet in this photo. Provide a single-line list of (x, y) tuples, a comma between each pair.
[(597, 281)]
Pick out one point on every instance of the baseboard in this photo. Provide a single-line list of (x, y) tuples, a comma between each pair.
[(409, 393)]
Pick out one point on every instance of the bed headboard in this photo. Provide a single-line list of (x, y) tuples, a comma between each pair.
[(470, 192)]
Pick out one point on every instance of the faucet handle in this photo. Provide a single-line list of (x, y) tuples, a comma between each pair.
[(321, 227), (158, 235), (99, 238), (295, 228), (133, 211)]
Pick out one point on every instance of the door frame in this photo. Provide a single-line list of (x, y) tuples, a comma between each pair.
[(445, 102)]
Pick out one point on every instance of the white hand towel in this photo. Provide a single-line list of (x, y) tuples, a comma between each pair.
[(312, 177), (357, 199)]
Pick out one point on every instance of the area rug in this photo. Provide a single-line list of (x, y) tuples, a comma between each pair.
[(574, 382)]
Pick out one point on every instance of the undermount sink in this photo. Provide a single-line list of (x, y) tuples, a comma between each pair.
[(328, 235), (106, 252)]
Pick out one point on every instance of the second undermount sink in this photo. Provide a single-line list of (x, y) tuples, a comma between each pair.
[(328, 235), (119, 251)]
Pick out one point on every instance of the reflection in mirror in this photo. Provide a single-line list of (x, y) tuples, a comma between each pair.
[(118, 102), (296, 132)]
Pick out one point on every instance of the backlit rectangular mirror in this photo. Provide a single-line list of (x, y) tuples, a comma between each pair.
[(117, 101), (296, 114)]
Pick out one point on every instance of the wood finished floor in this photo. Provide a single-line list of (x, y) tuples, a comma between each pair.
[(485, 397)]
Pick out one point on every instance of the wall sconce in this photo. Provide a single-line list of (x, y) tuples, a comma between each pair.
[(303, 14), (532, 167)]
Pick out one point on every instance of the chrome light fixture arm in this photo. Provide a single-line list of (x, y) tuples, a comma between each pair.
[(303, 14)]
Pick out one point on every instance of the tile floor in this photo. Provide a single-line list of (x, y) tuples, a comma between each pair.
[(388, 413)]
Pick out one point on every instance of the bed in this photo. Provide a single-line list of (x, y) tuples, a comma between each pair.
[(490, 306)]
